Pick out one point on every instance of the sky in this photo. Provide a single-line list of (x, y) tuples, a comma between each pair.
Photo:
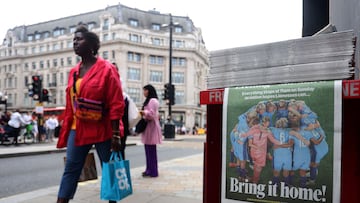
[(224, 24)]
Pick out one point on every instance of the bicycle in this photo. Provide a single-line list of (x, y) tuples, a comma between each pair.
[(27, 136)]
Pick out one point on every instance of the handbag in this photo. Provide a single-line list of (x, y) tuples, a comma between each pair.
[(133, 113), (87, 109), (89, 171), (115, 180), (140, 126)]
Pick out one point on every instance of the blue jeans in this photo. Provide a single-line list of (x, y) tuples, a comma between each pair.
[(75, 159)]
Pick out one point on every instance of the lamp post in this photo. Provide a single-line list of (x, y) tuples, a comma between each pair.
[(3, 100), (169, 127), (170, 59)]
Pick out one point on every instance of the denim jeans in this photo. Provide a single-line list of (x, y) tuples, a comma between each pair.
[(75, 159)]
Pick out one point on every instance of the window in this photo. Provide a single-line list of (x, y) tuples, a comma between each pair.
[(26, 81), (106, 24), (156, 76), (133, 74), (55, 62), (135, 57), (156, 41), (91, 26), (54, 78), (37, 36), (33, 64), (178, 61), (134, 23), (134, 94), (113, 54), (56, 47), (179, 44), (61, 78), (72, 29), (30, 37), (106, 37), (105, 55), (48, 64), (56, 33), (46, 34), (113, 36), (134, 38), (41, 64), (179, 97), (42, 48), (33, 50), (69, 44), (158, 60), (178, 77), (26, 99), (155, 26), (69, 61), (62, 62), (26, 67), (178, 29)]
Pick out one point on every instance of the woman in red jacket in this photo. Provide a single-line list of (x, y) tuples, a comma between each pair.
[(94, 106)]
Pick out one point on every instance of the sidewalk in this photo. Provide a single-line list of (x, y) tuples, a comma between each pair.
[(180, 180)]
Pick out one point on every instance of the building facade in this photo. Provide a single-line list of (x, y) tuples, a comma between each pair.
[(137, 41)]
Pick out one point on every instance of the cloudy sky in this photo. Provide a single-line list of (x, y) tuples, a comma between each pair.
[(225, 24)]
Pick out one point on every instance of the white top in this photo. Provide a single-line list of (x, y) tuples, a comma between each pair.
[(51, 123), (16, 120)]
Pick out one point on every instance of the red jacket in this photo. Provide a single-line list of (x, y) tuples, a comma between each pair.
[(101, 83)]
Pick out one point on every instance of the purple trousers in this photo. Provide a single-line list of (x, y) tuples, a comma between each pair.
[(151, 161)]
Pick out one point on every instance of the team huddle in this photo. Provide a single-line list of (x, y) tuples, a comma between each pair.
[(288, 133)]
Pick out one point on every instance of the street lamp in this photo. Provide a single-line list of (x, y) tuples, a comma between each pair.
[(169, 128), (3, 100)]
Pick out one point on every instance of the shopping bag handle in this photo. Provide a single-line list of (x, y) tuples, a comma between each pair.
[(116, 156)]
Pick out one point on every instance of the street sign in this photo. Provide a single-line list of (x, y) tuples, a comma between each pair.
[(39, 108)]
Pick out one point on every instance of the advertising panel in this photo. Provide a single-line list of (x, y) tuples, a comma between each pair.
[(282, 143)]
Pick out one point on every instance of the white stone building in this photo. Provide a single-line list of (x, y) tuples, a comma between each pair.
[(138, 41)]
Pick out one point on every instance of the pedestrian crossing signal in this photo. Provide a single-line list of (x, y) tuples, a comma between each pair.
[(45, 95), (35, 86)]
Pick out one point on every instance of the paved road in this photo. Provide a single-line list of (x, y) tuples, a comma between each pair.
[(21, 174)]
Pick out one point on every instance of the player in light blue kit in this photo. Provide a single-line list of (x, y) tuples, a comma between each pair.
[(240, 143), (270, 112), (281, 109), (300, 139), (319, 147), (282, 154)]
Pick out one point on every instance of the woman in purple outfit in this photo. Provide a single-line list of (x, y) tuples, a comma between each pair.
[(152, 134)]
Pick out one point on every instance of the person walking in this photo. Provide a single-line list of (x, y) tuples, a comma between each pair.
[(152, 134), (51, 123), (93, 82), (14, 125)]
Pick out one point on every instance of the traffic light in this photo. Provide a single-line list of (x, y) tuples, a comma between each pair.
[(45, 95), (166, 92), (36, 87), (171, 94)]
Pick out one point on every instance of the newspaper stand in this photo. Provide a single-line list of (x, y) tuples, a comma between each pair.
[(350, 159)]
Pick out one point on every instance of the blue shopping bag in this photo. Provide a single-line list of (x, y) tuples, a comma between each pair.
[(116, 179)]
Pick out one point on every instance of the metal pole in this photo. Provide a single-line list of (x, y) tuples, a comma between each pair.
[(170, 61), (169, 131), (40, 120)]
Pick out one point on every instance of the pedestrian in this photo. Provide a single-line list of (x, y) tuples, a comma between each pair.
[(92, 83), (51, 123), (14, 125), (130, 115), (152, 134)]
